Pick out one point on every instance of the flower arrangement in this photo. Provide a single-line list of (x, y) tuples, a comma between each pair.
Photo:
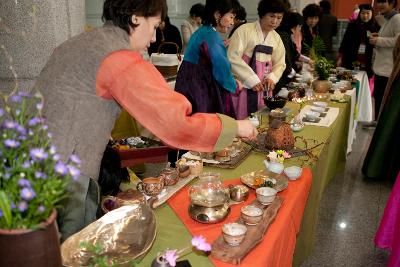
[(33, 179), (278, 156), (323, 68), (198, 242)]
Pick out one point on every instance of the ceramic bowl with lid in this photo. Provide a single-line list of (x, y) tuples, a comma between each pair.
[(293, 172)]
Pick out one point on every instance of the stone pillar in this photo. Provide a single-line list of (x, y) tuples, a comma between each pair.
[(29, 32)]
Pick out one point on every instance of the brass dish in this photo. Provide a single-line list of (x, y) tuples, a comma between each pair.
[(249, 179), (209, 215)]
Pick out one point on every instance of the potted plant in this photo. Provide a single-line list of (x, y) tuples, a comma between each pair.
[(323, 69), (33, 181)]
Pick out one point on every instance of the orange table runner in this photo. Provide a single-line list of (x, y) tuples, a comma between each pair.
[(279, 242)]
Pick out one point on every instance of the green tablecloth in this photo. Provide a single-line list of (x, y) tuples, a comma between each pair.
[(331, 157)]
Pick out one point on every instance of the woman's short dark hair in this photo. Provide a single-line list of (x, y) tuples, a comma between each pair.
[(311, 10), (120, 12), (241, 13), (197, 10), (221, 6), (364, 7), (270, 6)]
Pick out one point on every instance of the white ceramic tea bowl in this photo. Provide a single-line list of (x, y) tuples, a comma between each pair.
[(293, 172), (234, 233), (297, 127), (320, 104), (274, 167), (254, 121), (312, 115), (251, 215), (266, 195), (317, 109)]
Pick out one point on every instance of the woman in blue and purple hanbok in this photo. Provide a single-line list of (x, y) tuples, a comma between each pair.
[(205, 76)]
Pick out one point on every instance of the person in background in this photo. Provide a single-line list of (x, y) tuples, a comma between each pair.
[(239, 19), (384, 42), (291, 23), (192, 23), (257, 55), (166, 32), (90, 77), (310, 29), (327, 28), (205, 76), (382, 161), (355, 46)]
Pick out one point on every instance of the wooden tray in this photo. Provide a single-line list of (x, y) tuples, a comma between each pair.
[(255, 234), (231, 164), (172, 189), (234, 162)]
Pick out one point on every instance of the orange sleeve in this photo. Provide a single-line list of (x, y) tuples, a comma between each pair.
[(141, 90)]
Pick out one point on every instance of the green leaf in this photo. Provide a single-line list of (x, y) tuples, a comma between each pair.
[(6, 209)]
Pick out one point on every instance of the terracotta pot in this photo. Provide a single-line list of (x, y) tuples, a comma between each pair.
[(40, 247), (321, 86)]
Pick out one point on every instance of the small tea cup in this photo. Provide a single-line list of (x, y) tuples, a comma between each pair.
[(251, 215), (320, 104), (317, 109), (266, 195), (151, 186), (171, 176), (234, 233), (239, 192), (293, 172)]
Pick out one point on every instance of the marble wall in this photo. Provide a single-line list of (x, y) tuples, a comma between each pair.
[(29, 31)]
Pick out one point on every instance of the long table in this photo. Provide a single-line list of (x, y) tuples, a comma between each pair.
[(330, 158)]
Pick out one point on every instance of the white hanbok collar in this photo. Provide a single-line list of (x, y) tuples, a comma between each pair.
[(260, 32)]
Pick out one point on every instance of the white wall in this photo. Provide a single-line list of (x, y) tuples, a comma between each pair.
[(178, 10)]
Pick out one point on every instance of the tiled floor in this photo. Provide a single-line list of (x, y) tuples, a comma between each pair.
[(349, 215)]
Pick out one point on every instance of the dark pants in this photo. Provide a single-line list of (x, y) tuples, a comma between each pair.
[(379, 90)]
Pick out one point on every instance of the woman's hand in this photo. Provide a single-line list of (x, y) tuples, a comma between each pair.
[(269, 84), (258, 87), (246, 129), (239, 85)]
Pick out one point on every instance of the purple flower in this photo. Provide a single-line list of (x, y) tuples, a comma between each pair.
[(22, 137), (24, 183), (17, 112), (27, 193), (25, 94), (40, 175), (74, 158), (26, 164), (21, 129), (41, 209), (74, 172), (60, 168), (171, 256), (22, 206), (38, 154), (39, 106), (12, 205), (34, 121), (199, 242), (56, 157), (16, 98), (11, 143), (45, 127), (1, 213), (7, 175), (8, 124), (1, 112)]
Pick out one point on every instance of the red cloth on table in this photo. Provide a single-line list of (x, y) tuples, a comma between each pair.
[(279, 242), (388, 234)]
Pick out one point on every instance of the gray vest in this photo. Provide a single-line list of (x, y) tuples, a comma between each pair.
[(80, 121)]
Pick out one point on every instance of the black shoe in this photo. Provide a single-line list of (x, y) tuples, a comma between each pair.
[(369, 125)]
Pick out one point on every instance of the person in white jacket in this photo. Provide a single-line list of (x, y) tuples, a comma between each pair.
[(384, 42)]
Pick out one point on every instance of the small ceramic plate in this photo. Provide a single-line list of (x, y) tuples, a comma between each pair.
[(297, 128)]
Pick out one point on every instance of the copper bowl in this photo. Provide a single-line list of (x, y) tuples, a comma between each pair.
[(273, 103)]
